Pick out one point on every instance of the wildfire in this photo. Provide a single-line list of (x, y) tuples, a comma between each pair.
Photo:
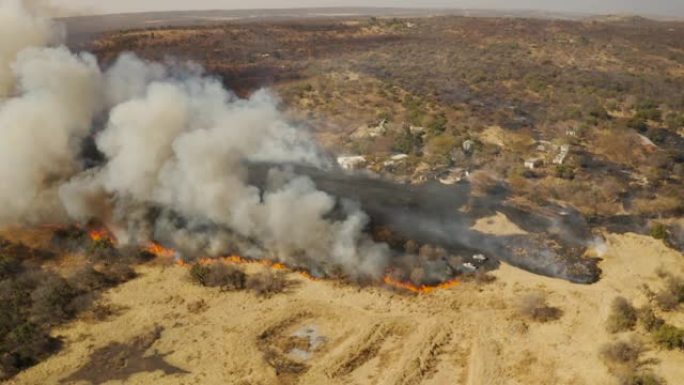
[(101, 234), (156, 249), (159, 250), (237, 260), (422, 289)]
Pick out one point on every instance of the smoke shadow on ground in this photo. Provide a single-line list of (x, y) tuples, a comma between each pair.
[(120, 361)]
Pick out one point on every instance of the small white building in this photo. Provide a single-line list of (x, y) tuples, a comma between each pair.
[(534, 163), (353, 162), (417, 130), (394, 159), (562, 155)]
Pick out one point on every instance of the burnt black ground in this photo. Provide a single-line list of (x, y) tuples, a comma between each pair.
[(443, 215)]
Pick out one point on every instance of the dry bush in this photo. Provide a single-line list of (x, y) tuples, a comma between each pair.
[(649, 320), (666, 300), (673, 295), (534, 307), (623, 358), (625, 354), (51, 300), (481, 277), (267, 283), (118, 273), (657, 205), (623, 316), (641, 378), (620, 147), (89, 279), (219, 275), (9, 266), (33, 299), (196, 307)]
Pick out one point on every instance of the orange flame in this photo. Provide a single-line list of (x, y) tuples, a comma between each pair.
[(101, 234), (422, 289), (159, 250)]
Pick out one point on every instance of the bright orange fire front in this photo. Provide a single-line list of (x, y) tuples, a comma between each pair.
[(422, 289), (101, 234), (159, 250)]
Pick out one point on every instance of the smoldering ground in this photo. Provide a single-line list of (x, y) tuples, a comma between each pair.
[(162, 152)]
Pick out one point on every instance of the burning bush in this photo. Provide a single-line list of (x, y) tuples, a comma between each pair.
[(267, 283), (102, 249), (534, 307), (218, 275), (623, 316)]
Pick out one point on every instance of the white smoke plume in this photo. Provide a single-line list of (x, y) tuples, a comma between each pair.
[(174, 143), (20, 28)]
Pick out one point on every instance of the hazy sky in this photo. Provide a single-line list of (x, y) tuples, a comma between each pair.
[(647, 7)]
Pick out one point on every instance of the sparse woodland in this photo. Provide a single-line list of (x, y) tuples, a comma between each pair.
[(611, 90)]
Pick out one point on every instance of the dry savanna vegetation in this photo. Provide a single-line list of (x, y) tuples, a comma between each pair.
[(586, 113)]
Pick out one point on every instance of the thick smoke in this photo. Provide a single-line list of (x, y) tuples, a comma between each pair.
[(21, 28), (174, 146)]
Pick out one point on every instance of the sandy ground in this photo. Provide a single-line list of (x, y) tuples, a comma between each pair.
[(469, 335)]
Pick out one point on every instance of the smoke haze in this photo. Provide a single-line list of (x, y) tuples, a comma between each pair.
[(174, 145), (654, 7)]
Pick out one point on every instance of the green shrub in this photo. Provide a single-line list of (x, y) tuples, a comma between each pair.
[(437, 124), (638, 124), (659, 231), (623, 316), (669, 337), (406, 142), (564, 172)]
